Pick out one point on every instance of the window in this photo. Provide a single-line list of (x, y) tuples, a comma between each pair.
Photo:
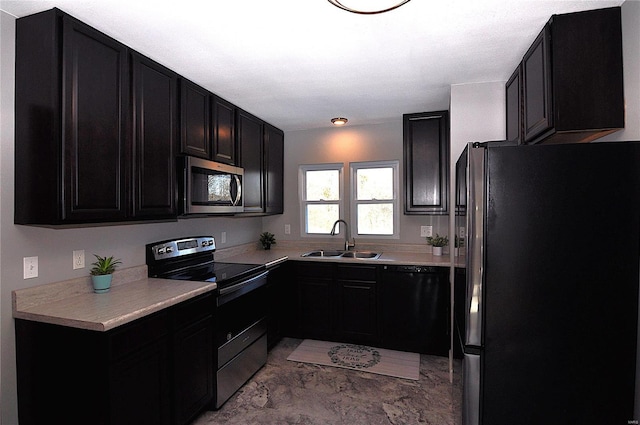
[(374, 199), (321, 197)]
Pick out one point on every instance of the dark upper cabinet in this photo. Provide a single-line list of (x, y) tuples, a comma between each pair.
[(155, 118), (537, 87), (195, 120), (224, 124), (426, 162), (514, 108), (72, 122), (274, 169), (572, 79), (250, 147)]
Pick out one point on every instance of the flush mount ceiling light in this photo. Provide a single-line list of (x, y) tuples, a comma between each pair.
[(339, 121), (367, 7)]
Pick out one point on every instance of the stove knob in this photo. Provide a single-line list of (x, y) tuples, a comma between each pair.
[(169, 249), (161, 250), (229, 336)]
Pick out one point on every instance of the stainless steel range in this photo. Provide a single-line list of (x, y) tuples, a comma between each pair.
[(240, 315)]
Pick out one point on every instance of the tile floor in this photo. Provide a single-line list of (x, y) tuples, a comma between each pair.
[(286, 392)]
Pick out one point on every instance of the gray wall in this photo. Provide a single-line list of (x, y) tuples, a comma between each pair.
[(348, 144)]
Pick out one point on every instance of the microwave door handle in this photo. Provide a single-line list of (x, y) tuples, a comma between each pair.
[(237, 188)]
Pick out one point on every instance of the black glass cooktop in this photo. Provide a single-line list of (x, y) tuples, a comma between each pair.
[(224, 274)]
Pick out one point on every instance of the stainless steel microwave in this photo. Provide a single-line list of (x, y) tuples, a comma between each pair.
[(207, 187)]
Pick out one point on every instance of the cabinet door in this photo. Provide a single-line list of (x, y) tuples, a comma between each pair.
[(357, 304), (95, 115), (224, 122), (140, 387), (195, 120), (250, 146), (155, 132), (314, 307), (193, 370), (274, 169), (514, 108), (426, 162), (537, 84)]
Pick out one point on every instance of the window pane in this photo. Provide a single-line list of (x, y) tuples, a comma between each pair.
[(374, 183), (320, 218), (323, 185), (375, 219)]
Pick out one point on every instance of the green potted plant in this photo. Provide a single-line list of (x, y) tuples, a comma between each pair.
[(267, 239), (437, 242), (102, 272)]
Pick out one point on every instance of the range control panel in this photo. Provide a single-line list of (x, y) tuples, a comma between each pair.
[(180, 247)]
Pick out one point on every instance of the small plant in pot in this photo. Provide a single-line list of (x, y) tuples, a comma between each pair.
[(437, 242), (102, 272), (267, 239)]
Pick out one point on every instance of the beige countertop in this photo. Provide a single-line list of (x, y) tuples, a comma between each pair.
[(132, 296), (275, 256), (73, 303)]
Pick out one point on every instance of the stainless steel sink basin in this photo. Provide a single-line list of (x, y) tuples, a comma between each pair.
[(322, 253), (343, 254), (361, 254)]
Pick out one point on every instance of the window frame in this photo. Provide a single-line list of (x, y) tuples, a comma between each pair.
[(302, 186), (354, 202)]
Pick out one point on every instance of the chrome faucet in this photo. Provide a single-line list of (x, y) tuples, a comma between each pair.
[(347, 244)]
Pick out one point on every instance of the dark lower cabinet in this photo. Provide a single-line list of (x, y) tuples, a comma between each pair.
[(155, 370), (357, 312), (278, 299), (138, 382), (314, 309), (397, 307)]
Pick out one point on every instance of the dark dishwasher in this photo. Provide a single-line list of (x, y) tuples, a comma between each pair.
[(415, 310)]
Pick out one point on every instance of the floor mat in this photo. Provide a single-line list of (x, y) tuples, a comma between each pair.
[(358, 357)]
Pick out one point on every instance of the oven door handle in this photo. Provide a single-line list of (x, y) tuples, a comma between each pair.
[(232, 292)]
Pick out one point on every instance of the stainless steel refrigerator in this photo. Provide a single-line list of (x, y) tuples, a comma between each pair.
[(547, 316)]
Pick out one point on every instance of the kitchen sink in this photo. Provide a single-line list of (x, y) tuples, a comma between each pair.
[(361, 254), (343, 254)]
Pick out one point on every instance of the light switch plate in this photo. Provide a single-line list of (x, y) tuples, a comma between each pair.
[(287, 229), (30, 266)]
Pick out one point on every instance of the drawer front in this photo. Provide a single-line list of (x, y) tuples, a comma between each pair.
[(136, 335), (193, 310), (363, 273)]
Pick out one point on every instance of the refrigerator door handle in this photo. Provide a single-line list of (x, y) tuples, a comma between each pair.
[(475, 254)]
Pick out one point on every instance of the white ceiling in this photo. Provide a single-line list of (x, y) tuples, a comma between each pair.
[(298, 63)]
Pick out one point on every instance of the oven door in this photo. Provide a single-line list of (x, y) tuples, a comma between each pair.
[(240, 334), (211, 187)]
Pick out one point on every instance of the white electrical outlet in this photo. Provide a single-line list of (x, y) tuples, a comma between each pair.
[(287, 229), (30, 266), (78, 259), (461, 232), (223, 237), (426, 231)]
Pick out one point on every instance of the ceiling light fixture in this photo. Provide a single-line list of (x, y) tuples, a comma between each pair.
[(339, 121), (338, 3)]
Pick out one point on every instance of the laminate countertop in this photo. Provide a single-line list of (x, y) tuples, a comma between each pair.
[(133, 295)]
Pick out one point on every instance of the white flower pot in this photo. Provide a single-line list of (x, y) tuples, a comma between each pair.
[(436, 250)]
